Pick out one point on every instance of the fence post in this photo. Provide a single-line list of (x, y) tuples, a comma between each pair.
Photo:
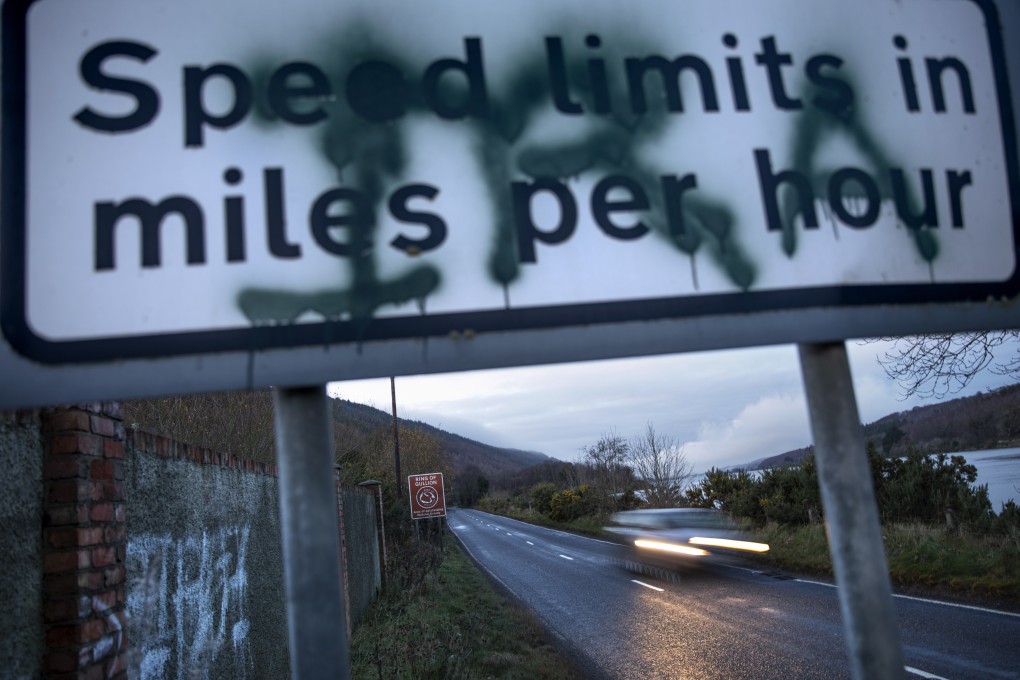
[(380, 525), (341, 520)]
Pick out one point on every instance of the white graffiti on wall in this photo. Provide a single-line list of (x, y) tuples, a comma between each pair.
[(189, 607)]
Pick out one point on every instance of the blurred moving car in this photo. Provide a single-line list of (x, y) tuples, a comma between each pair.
[(679, 536)]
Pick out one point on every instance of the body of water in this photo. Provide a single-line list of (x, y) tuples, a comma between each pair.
[(1000, 470)]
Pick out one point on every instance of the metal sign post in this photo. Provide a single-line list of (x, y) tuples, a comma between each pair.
[(310, 532), (848, 496), (396, 433)]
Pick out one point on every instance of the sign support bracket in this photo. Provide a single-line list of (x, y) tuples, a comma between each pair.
[(310, 534), (851, 512)]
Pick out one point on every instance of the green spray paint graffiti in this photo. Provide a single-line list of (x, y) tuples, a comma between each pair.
[(365, 155), (365, 141), (813, 127)]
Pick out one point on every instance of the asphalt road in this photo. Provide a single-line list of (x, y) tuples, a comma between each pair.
[(723, 621)]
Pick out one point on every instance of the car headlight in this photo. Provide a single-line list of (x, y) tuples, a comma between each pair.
[(669, 547), (749, 546)]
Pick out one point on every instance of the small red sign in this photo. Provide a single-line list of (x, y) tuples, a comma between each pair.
[(427, 496)]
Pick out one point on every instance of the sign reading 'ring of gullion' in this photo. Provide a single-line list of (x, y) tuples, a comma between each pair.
[(236, 188), (426, 495)]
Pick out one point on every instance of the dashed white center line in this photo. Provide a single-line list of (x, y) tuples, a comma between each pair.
[(529, 543), (650, 587), (567, 558)]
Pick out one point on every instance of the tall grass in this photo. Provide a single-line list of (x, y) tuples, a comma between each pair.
[(450, 623), (983, 565), (954, 562)]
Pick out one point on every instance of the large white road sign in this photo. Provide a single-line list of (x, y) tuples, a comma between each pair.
[(198, 177)]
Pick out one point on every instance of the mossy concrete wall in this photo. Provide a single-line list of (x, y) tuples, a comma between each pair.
[(21, 515), (205, 562)]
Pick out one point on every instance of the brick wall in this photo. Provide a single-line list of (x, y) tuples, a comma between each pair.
[(84, 542)]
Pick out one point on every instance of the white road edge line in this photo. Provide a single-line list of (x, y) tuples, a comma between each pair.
[(567, 558), (926, 600), (487, 570), (986, 610), (650, 587), (930, 676)]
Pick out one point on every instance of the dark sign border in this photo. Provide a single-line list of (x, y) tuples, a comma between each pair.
[(13, 256)]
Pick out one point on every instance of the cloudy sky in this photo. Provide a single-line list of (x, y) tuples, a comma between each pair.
[(728, 407)]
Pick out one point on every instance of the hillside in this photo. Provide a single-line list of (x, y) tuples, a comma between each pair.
[(491, 461), (986, 420), (241, 423)]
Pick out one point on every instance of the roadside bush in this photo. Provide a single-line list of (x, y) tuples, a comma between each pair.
[(732, 492), (789, 494), (923, 487), (935, 489), (498, 505), (628, 500), (541, 497), (572, 503), (1008, 521)]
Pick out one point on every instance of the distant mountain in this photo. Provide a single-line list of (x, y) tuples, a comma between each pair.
[(789, 458), (491, 461), (986, 420)]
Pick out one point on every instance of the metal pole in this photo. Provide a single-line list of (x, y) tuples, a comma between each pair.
[(848, 496), (396, 436), (310, 532)]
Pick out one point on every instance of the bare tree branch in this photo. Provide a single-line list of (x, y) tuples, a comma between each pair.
[(938, 364), (660, 462), (605, 464)]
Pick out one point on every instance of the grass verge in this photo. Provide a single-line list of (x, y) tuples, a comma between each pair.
[(983, 567), (453, 624)]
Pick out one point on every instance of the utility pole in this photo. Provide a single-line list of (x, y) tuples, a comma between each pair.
[(396, 436)]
